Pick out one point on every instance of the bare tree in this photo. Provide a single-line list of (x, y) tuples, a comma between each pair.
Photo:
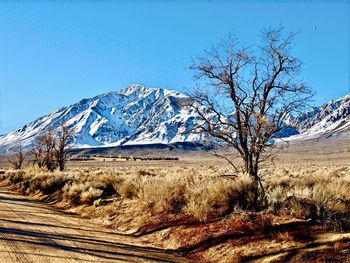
[(246, 94), (38, 155), (44, 151), (18, 158), (64, 135), (51, 148)]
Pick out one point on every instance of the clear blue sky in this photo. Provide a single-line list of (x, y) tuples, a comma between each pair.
[(55, 53)]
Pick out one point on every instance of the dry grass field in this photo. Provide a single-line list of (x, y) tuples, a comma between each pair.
[(193, 207)]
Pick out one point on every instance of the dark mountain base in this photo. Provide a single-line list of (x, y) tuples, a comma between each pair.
[(144, 150)]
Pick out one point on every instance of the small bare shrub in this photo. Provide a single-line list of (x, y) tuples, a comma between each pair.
[(214, 197), (276, 197), (54, 182), (163, 193), (332, 196), (15, 176), (90, 195), (72, 192), (109, 183), (207, 199), (243, 191), (129, 188)]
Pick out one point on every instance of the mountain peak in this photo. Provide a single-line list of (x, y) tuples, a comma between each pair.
[(134, 115), (132, 89)]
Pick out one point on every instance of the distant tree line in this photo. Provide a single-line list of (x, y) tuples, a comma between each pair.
[(127, 158)]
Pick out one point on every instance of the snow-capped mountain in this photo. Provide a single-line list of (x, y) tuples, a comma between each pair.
[(329, 120), (135, 115), (139, 115)]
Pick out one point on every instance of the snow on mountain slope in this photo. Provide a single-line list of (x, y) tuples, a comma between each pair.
[(139, 115), (329, 120), (135, 115)]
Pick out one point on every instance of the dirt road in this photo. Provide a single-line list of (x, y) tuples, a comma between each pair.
[(31, 231)]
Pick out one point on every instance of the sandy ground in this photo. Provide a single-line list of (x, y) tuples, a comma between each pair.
[(32, 231)]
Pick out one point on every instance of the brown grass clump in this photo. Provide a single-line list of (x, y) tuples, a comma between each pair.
[(129, 188), (311, 192), (215, 196), (90, 195), (162, 194), (14, 176)]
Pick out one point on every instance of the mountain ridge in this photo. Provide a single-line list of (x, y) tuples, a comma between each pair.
[(134, 115), (139, 115), (328, 120)]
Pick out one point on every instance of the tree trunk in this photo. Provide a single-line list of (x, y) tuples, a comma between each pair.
[(252, 170), (61, 166)]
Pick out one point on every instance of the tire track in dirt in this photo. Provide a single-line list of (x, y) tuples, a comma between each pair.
[(26, 217), (31, 231)]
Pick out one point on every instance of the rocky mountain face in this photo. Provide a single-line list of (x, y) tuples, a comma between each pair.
[(332, 119), (135, 115), (138, 115)]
